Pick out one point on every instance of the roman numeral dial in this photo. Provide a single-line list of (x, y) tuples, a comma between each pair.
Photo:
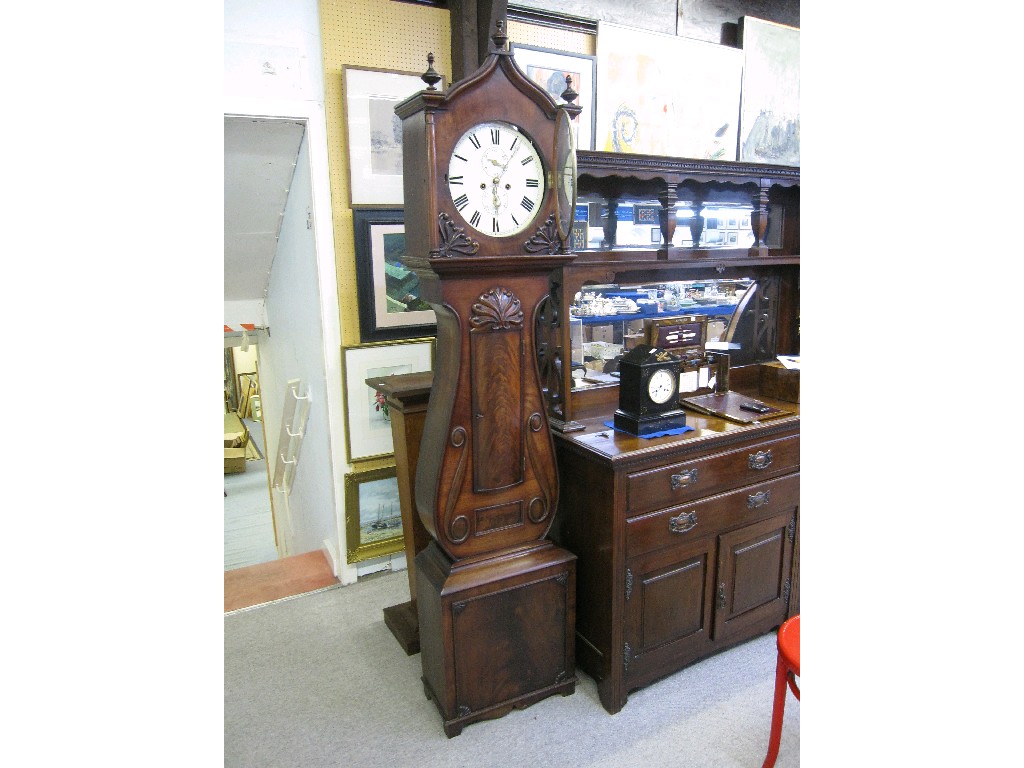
[(496, 179)]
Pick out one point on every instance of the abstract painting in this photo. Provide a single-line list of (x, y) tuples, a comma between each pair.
[(661, 94)]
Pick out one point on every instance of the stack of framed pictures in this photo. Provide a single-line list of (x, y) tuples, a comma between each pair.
[(373, 518)]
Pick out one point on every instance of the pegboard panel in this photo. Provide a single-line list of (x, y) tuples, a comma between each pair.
[(548, 37), (378, 34)]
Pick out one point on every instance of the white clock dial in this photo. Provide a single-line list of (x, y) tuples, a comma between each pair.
[(661, 386), (496, 179)]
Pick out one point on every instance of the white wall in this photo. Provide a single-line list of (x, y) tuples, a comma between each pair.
[(273, 66), (294, 349)]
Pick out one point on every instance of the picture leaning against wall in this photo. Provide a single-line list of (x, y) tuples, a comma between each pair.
[(770, 107), (662, 94)]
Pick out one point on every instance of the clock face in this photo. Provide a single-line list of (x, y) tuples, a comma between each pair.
[(565, 168), (496, 179), (661, 386)]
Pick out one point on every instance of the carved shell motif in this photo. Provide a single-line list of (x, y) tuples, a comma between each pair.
[(499, 308), (544, 239), (454, 240)]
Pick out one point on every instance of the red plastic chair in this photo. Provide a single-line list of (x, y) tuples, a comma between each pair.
[(787, 669)]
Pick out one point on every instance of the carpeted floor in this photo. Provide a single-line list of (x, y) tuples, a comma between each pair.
[(318, 680)]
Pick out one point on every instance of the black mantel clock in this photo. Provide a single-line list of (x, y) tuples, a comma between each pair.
[(649, 392), (489, 177)]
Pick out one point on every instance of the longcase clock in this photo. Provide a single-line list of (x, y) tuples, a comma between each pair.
[(489, 173)]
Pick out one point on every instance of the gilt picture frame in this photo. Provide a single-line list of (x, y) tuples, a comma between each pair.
[(388, 292), (373, 514)]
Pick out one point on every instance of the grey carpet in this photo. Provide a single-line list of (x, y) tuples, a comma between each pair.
[(319, 680)]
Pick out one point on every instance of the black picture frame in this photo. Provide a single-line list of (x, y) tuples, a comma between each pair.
[(376, 322)]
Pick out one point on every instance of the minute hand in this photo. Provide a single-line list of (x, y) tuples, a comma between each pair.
[(511, 155)]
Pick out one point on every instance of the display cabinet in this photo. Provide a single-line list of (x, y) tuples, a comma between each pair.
[(749, 289), (689, 544)]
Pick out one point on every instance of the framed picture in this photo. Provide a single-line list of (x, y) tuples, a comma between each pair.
[(770, 111), (374, 132), (388, 291), (368, 428), (373, 514), (548, 68), (648, 84)]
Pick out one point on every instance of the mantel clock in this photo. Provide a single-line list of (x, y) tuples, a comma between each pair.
[(649, 392), (489, 174)]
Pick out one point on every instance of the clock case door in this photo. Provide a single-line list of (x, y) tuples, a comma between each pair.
[(486, 477)]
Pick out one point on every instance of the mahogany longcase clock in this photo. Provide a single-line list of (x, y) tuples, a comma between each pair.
[(489, 174)]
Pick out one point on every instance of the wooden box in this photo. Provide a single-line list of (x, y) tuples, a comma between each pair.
[(778, 382)]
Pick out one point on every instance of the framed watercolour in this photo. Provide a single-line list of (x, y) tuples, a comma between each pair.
[(374, 132), (373, 515), (388, 291), (367, 427), (548, 68), (770, 112), (661, 94)]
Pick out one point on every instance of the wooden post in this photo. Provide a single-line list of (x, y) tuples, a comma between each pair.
[(407, 396)]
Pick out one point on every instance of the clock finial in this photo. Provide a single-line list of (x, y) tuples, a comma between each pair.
[(430, 77), (569, 96), (499, 37)]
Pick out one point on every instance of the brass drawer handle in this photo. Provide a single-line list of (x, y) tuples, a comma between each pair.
[(683, 522), (759, 460), (684, 478), (758, 499)]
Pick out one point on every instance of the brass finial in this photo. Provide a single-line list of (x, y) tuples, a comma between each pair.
[(430, 77)]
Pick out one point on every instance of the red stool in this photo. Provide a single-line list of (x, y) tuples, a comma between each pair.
[(787, 669)]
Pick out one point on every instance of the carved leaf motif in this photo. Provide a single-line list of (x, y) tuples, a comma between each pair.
[(544, 239), (500, 309), (454, 240)]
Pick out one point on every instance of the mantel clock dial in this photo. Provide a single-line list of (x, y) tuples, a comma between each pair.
[(496, 179)]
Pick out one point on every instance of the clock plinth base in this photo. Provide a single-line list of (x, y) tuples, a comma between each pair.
[(497, 632), (644, 426), (404, 625)]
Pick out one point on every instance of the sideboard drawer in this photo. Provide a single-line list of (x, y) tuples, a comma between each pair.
[(672, 526), (676, 483)]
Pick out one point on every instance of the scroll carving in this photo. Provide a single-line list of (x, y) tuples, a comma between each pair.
[(454, 240), (458, 527), (499, 309), (545, 239)]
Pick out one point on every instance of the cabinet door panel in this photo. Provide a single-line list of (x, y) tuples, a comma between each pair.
[(668, 609), (753, 576)]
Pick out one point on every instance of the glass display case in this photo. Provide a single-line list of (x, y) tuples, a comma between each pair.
[(659, 237), (608, 320)]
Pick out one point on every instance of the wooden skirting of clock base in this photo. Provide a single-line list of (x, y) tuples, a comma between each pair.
[(496, 633)]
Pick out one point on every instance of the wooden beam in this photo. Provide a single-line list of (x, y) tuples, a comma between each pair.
[(472, 23)]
